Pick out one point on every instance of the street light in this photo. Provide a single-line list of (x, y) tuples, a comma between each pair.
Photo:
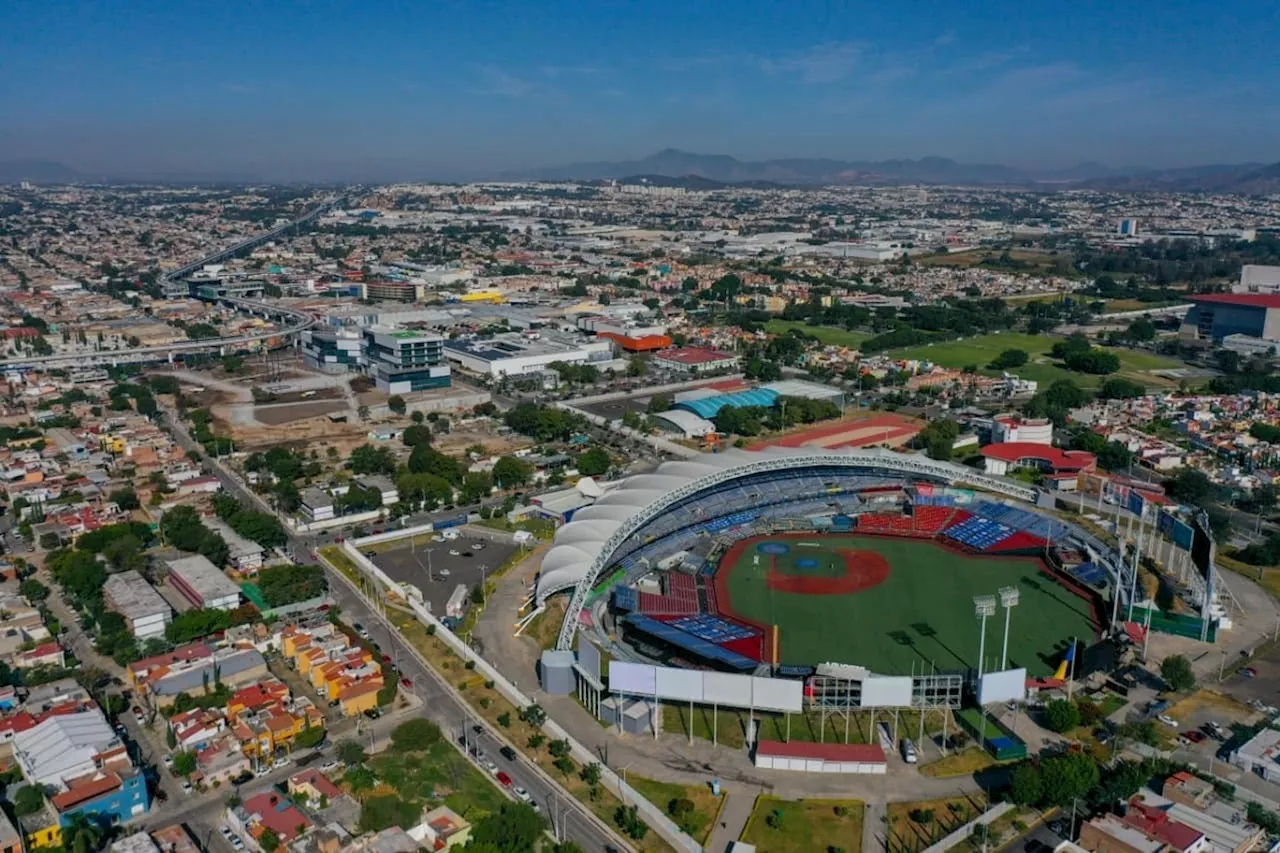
[(983, 606), (1008, 600)]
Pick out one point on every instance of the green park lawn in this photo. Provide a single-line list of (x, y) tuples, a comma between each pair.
[(805, 826), (828, 335), (981, 349)]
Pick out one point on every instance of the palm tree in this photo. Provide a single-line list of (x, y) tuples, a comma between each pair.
[(81, 835)]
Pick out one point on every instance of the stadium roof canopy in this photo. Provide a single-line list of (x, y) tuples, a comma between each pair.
[(687, 422), (708, 406), (582, 548)]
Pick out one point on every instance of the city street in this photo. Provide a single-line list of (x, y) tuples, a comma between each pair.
[(440, 704)]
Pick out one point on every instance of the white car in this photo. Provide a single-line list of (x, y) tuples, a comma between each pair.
[(437, 538), (282, 761), (236, 843), (186, 787), (444, 573), (454, 552), (491, 768), (330, 766), (168, 760), (1168, 721), (521, 794), (225, 830)]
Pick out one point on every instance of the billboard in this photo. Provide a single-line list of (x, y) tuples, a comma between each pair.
[(1177, 530), (706, 688), (636, 679), (1007, 686), (879, 691), (588, 657), (683, 685), (1202, 544)]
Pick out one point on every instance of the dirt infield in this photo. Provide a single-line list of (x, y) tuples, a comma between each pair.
[(862, 570)]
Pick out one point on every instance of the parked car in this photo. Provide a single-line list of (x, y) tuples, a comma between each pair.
[(909, 751), (466, 553), (504, 779), (405, 682), (1168, 721), (282, 761), (1193, 736), (454, 552), (186, 787), (521, 794), (490, 767), (330, 766), (1247, 672)]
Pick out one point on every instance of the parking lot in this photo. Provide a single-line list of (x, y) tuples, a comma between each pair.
[(437, 568), (1263, 686)]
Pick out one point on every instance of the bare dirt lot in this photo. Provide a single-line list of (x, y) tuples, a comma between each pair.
[(276, 414), (482, 433)]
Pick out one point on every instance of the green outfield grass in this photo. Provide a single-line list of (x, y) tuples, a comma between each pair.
[(981, 349), (922, 614), (830, 335)]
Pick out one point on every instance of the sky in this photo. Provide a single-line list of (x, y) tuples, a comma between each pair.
[(447, 89)]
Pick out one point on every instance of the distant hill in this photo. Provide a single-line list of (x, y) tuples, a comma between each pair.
[(672, 163), (37, 172)]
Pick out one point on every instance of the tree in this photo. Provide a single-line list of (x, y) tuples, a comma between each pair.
[(1061, 715), (416, 434), (939, 437), (1176, 672), (593, 462), (367, 459), (184, 764), (534, 715), (396, 404), (1118, 388), (660, 403), (269, 841), (416, 735), (126, 499), (350, 753), (510, 472), (1190, 486), (170, 738), (34, 591), (82, 834), (1067, 777), (476, 485), (27, 800), (513, 828), (591, 774), (1009, 359)]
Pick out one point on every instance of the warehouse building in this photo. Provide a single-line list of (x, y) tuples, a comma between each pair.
[(519, 354), (129, 594), (203, 584)]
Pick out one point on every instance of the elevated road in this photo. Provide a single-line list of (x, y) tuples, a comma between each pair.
[(294, 321)]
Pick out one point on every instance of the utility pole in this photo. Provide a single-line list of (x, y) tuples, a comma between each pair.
[(983, 606), (1008, 599)]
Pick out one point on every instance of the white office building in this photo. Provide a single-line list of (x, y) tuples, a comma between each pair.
[(129, 594)]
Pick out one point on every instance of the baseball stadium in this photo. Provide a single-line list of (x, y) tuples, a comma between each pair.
[(781, 561)]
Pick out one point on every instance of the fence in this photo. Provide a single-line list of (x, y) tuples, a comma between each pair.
[(651, 814), (966, 831)]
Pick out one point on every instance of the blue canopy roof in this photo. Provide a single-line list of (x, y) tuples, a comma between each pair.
[(708, 406)]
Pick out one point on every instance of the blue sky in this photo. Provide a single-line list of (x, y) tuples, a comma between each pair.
[(445, 88)]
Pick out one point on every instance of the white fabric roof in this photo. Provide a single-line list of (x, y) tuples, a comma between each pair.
[(581, 542), (62, 747), (687, 422)]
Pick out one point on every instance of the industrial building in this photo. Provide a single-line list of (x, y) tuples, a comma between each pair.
[(66, 746), (401, 361), (695, 360), (519, 354), (129, 594), (1013, 428), (203, 584), (1255, 278), (1214, 316)]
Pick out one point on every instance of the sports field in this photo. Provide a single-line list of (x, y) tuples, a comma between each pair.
[(893, 604)]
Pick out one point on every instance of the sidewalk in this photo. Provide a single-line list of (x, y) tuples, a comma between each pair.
[(734, 815)]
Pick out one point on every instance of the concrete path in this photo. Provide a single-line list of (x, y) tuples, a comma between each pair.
[(734, 814)]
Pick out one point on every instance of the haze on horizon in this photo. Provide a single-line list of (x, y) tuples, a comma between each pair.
[(381, 91)]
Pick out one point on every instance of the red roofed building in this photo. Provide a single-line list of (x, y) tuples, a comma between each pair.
[(1155, 823), (1216, 315), (1001, 459), (821, 757), (276, 813), (695, 360)]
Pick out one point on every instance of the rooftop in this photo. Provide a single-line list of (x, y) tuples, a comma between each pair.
[(858, 752), (694, 355), (1248, 300)]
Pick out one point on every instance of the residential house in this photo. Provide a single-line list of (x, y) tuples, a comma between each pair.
[(269, 811), (442, 829)]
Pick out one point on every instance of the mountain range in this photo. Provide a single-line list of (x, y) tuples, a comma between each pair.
[(1246, 178), (673, 167)]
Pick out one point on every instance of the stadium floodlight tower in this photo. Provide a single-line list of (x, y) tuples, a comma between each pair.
[(983, 606), (1008, 600)]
